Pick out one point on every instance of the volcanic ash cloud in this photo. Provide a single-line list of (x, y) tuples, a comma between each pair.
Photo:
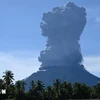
[(63, 27)]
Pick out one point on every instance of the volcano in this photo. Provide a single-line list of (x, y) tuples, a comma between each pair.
[(62, 58)]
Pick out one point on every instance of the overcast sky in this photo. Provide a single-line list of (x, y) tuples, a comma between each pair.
[(21, 39)]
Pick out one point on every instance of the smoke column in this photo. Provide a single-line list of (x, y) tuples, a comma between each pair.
[(63, 27), (62, 58)]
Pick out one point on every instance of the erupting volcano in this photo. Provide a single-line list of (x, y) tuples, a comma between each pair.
[(62, 57)]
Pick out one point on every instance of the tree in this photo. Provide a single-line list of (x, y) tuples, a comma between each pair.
[(32, 85), (8, 79), (39, 89), (2, 97), (36, 90), (93, 94), (1, 84), (56, 86), (32, 91), (97, 91), (81, 91), (50, 93), (66, 90), (20, 90)]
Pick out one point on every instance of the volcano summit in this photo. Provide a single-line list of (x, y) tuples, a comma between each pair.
[(62, 57)]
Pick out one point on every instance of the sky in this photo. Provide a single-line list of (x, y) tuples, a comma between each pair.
[(21, 40)]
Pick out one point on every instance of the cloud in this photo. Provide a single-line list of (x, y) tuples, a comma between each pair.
[(21, 66), (92, 64)]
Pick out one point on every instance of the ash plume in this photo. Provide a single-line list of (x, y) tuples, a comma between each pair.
[(63, 27), (62, 58)]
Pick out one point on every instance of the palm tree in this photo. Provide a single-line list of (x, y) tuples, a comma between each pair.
[(32, 91), (56, 86), (36, 90), (50, 93), (1, 83), (2, 97), (81, 91), (66, 90), (20, 89), (39, 89), (20, 86), (32, 84), (97, 90), (8, 78)]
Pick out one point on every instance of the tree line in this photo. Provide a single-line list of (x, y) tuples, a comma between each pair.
[(38, 91)]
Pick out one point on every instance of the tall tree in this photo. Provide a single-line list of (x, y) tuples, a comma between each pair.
[(97, 90), (56, 86), (8, 78), (50, 93), (81, 91), (32, 91), (20, 90), (39, 90), (1, 83), (66, 90)]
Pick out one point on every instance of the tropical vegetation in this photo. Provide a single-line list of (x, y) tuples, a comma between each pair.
[(38, 91)]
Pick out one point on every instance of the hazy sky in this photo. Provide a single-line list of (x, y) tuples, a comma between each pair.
[(21, 39)]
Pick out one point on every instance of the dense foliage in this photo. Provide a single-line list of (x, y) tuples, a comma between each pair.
[(38, 91)]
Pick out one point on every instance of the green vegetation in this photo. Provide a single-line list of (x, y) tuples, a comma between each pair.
[(37, 91)]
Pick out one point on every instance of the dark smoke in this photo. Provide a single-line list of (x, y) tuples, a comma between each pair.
[(62, 58), (63, 27)]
